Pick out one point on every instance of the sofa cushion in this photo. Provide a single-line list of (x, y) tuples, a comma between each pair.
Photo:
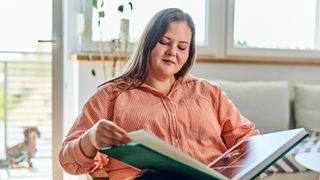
[(307, 106), (266, 103)]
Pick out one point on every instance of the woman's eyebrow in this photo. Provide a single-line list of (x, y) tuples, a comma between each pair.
[(184, 42)]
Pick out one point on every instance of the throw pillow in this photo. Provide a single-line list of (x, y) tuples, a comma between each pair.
[(307, 106), (266, 103)]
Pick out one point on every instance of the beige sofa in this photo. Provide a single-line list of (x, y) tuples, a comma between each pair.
[(277, 105)]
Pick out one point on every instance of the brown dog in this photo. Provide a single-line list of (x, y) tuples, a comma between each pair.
[(20, 155)]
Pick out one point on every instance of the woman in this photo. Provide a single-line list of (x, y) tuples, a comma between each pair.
[(156, 94)]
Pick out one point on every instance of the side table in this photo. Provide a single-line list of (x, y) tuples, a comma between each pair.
[(310, 160)]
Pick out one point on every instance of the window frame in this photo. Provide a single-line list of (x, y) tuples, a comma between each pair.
[(87, 45), (219, 37), (265, 53)]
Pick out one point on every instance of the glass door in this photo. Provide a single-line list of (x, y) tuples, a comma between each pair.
[(26, 89)]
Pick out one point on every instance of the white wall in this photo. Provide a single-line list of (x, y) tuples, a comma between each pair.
[(89, 83), (245, 72), (237, 72)]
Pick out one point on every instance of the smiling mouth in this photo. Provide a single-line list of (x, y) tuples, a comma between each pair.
[(168, 61)]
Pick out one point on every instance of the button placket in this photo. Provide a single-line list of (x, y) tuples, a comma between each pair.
[(174, 121), (170, 123)]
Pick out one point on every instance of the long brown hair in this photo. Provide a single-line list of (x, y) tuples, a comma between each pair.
[(138, 62)]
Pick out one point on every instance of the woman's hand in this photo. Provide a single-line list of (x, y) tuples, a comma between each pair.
[(103, 134)]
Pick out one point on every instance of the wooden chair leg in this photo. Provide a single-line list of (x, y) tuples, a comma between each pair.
[(98, 175)]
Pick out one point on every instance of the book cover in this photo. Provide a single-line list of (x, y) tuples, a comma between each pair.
[(245, 160)]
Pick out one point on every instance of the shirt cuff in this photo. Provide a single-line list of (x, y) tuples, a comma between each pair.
[(80, 157)]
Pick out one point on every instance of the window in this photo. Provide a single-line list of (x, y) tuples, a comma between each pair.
[(141, 13), (284, 24), (279, 28), (26, 88), (228, 28), (22, 25)]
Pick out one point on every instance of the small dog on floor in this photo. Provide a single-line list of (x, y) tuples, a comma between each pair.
[(19, 156)]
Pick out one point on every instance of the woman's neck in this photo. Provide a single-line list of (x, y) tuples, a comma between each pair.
[(163, 85)]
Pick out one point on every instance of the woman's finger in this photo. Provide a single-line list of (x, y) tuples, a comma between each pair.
[(117, 137), (111, 126)]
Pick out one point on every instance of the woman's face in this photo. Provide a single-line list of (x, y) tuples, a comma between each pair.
[(171, 52)]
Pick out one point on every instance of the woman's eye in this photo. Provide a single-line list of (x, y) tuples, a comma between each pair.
[(164, 42), (182, 48)]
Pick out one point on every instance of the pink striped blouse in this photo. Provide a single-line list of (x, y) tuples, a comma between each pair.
[(196, 117)]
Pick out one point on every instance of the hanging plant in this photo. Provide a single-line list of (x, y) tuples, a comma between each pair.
[(101, 15), (93, 70), (121, 7), (123, 39)]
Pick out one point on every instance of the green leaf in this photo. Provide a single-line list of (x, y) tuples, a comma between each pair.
[(95, 4), (120, 8), (131, 6), (88, 58), (93, 72), (101, 14)]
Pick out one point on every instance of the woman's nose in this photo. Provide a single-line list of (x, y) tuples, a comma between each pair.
[(171, 51)]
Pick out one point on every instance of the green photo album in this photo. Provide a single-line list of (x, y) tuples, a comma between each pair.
[(245, 160)]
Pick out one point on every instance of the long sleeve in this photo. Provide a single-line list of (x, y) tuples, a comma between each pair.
[(235, 127), (72, 159)]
